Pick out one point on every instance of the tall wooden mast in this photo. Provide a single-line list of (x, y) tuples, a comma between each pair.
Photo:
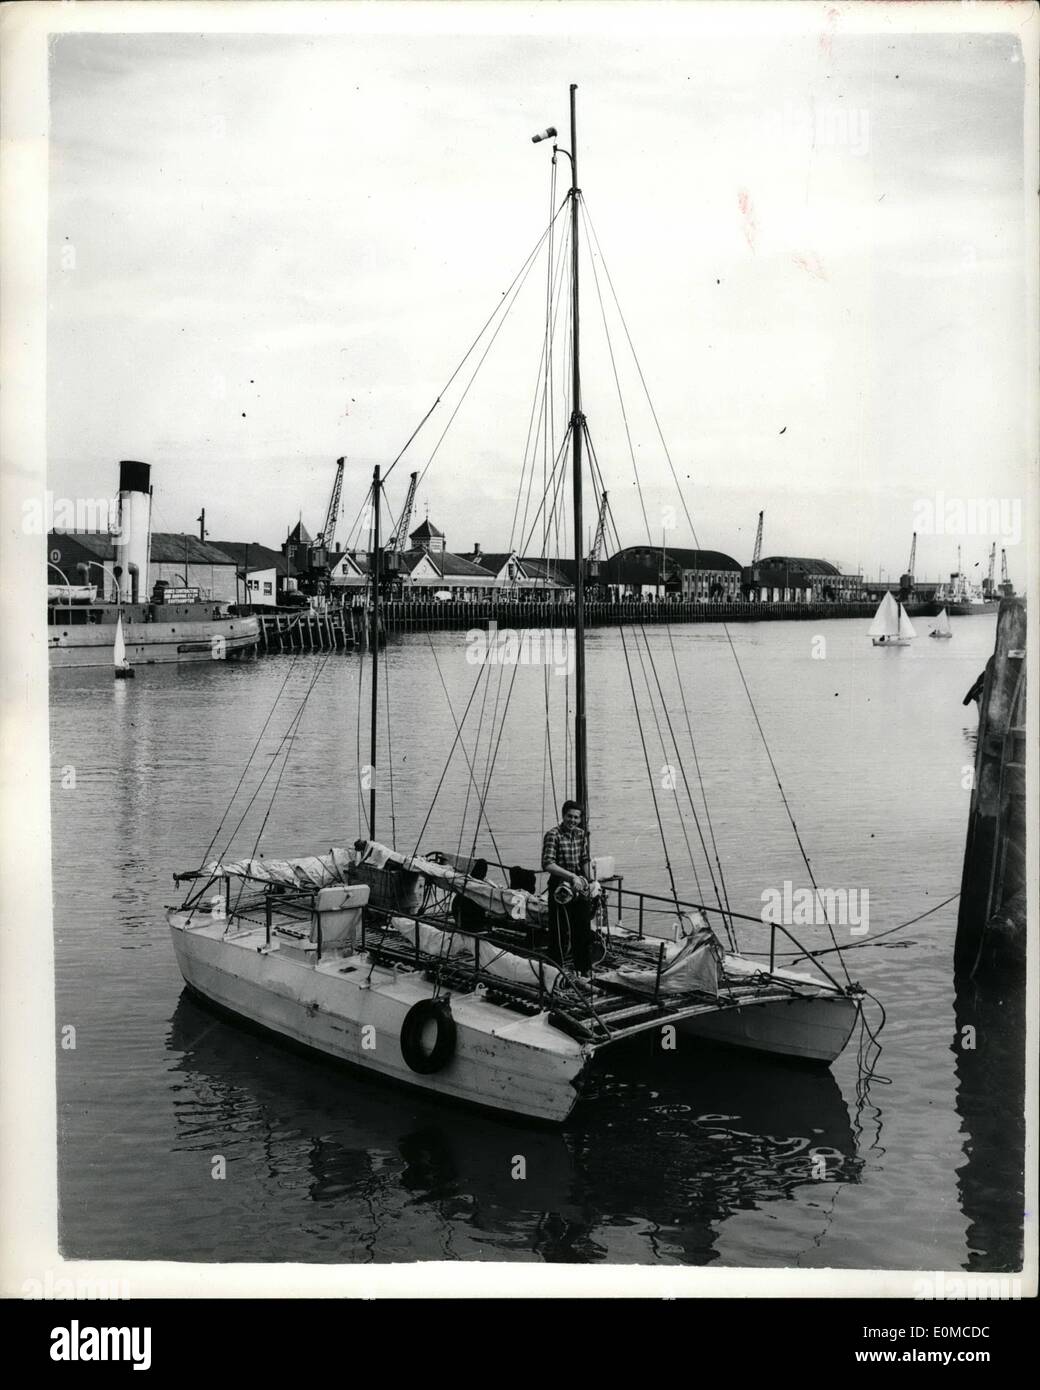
[(577, 427)]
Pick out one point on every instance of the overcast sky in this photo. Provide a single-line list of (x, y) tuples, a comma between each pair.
[(266, 252)]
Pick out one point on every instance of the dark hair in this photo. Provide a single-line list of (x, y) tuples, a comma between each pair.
[(570, 806)]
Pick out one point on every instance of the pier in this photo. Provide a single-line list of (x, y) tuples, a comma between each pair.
[(446, 616), (312, 630), (992, 920)]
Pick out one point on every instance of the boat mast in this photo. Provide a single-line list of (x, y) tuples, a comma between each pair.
[(374, 638), (577, 426)]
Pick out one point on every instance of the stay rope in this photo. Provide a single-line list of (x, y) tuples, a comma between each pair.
[(724, 625)]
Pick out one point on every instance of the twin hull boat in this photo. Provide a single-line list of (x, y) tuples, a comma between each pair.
[(480, 1016)]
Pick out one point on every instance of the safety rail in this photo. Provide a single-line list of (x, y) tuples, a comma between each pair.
[(678, 905)]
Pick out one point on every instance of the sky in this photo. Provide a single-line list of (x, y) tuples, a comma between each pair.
[(268, 251)]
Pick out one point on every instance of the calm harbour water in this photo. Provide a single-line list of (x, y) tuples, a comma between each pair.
[(708, 1157)]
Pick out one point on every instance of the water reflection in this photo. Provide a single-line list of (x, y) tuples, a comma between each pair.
[(641, 1173)]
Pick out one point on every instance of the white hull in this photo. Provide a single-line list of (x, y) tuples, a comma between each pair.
[(814, 1030), (348, 1009), (891, 641)]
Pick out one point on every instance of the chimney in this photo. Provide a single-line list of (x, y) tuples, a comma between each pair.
[(131, 537), (476, 550)]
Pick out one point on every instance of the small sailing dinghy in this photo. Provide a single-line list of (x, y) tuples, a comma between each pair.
[(891, 626), (418, 968), (942, 626), (122, 670)]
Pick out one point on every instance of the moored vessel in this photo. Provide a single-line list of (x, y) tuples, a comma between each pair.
[(419, 968), (87, 621)]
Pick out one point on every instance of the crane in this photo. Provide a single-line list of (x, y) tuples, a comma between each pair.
[(1006, 587), (906, 581), (596, 553), (396, 544), (327, 534), (989, 588), (758, 540)]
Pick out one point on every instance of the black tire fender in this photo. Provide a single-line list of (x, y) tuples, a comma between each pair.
[(413, 1050)]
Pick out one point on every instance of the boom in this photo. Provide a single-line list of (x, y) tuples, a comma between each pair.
[(396, 544), (328, 531), (758, 540), (598, 543)]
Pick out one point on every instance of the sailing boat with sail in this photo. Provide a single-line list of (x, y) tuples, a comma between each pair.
[(942, 626), (891, 626), (121, 666), (418, 969)]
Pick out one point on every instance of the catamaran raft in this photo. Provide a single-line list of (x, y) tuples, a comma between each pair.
[(357, 953)]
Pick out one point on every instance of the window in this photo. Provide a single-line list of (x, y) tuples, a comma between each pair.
[(267, 586)]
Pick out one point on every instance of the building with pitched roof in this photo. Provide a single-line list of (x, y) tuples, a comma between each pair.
[(522, 576), (179, 560)]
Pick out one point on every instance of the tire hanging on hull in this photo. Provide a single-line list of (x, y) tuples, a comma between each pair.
[(413, 1049)]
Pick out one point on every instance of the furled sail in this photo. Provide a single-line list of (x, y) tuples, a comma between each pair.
[(365, 861)]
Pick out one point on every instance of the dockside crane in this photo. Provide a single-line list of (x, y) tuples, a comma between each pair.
[(399, 536), (749, 576), (327, 535), (599, 541), (1006, 586), (989, 587), (594, 566), (906, 581)]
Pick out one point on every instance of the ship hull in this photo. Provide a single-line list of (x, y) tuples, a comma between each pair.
[(352, 1011), (147, 644), (812, 1030), (965, 610)]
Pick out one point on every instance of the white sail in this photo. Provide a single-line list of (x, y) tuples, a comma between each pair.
[(886, 619), (119, 647), (906, 627), (942, 624)]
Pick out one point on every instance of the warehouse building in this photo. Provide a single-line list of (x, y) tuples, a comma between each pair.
[(644, 572), (794, 579)]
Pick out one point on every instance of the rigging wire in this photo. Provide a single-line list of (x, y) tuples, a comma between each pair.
[(520, 277), (456, 742), (248, 764), (725, 626), (295, 727), (481, 814), (540, 421), (617, 384), (724, 912)]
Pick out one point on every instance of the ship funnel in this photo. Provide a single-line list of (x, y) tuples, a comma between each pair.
[(131, 541)]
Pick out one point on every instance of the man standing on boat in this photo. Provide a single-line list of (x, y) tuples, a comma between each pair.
[(565, 858)]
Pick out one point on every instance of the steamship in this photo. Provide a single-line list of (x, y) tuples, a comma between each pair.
[(169, 623)]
